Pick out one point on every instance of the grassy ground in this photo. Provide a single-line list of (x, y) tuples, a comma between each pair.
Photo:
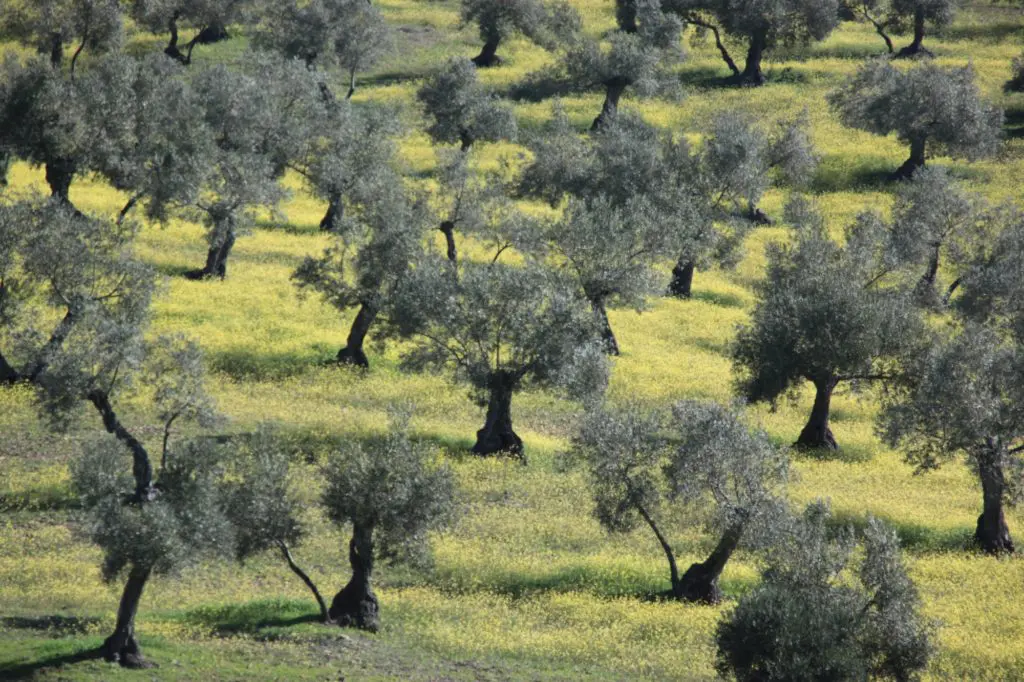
[(527, 586)]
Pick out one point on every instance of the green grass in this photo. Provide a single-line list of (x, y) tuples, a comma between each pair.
[(527, 585)]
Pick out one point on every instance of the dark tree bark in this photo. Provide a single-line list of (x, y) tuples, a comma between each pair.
[(448, 230), (214, 32), (335, 212), (916, 47), (670, 556), (172, 50), (297, 570), (142, 468), (700, 582), (817, 433), (726, 57), (59, 174), (880, 30), (497, 435), (992, 533), (356, 605), (122, 647), (613, 93), (916, 161), (216, 258), (625, 15), (352, 353), (56, 50), (681, 285), (489, 53), (752, 74), (611, 344)]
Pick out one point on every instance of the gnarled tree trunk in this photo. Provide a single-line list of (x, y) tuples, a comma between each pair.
[(613, 92), (356, 605), (352, 353), (917, 159), (122, 647), (681, 285), (59, 174), (447, 228), (625, 15), (212, 33), (700, 582), (335, 212), (817, 433), (611, 345), (489, 53), (992, 533), (172, 50), (752, 74), (916, 47), (217, 255), (497, 435)]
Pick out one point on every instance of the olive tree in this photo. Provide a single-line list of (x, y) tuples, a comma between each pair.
[(498, 328), (762, 24), (822, 613), (350, 35), (703, 458), (545, 23), (392, 491), (370, 256), (636, 60), (461, 111), (74, 306), (49, 25), (263, 507), (888, 16), (208, 20), (828, 314), (930, 108)]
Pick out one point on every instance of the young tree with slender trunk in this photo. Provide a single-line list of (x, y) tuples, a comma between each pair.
[(263, 507), (823, 613), (930, 108), (702, 457), (827, 314), (372, 253), (207, 19), (547, 23), (462, 112), (57, 27), (762, 24), (498, 328), (393, 492), (349, 35)]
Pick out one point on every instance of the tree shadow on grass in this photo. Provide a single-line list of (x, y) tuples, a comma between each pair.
[(915, 538), (256, 618), (62, 625), (28, 671), (836, 174), (1013, 123), (719, 298)]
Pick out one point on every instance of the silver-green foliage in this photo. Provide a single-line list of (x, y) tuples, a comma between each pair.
[(461, 110)]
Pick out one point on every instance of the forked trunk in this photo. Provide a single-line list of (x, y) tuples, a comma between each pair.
[(122, 647), (335, 212), (489, 53), (611, 344), (448, 230), (613, 93), (916, 47), (497, 435), (352, 353), (818, 434), (356, 605), (59, 174), (681, 285), (916, 161), (700, 582), (992, 533)]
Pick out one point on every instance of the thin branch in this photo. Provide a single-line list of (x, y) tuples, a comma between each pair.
[(286, 553)]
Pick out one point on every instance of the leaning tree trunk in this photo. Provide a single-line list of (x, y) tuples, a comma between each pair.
[(212, 33), (304, 577), (217, 255), (497, 435), (700, 582), (992, 533), (335, 212), (916, 161), (817, 433), (352, 353), (916, 47), (613, 92), (925, 290), (681, 285), (611, 344), (489, 53), (59, 174), (122, 647), (356, 605), (448, 230), (752, 74), (172, 50)]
